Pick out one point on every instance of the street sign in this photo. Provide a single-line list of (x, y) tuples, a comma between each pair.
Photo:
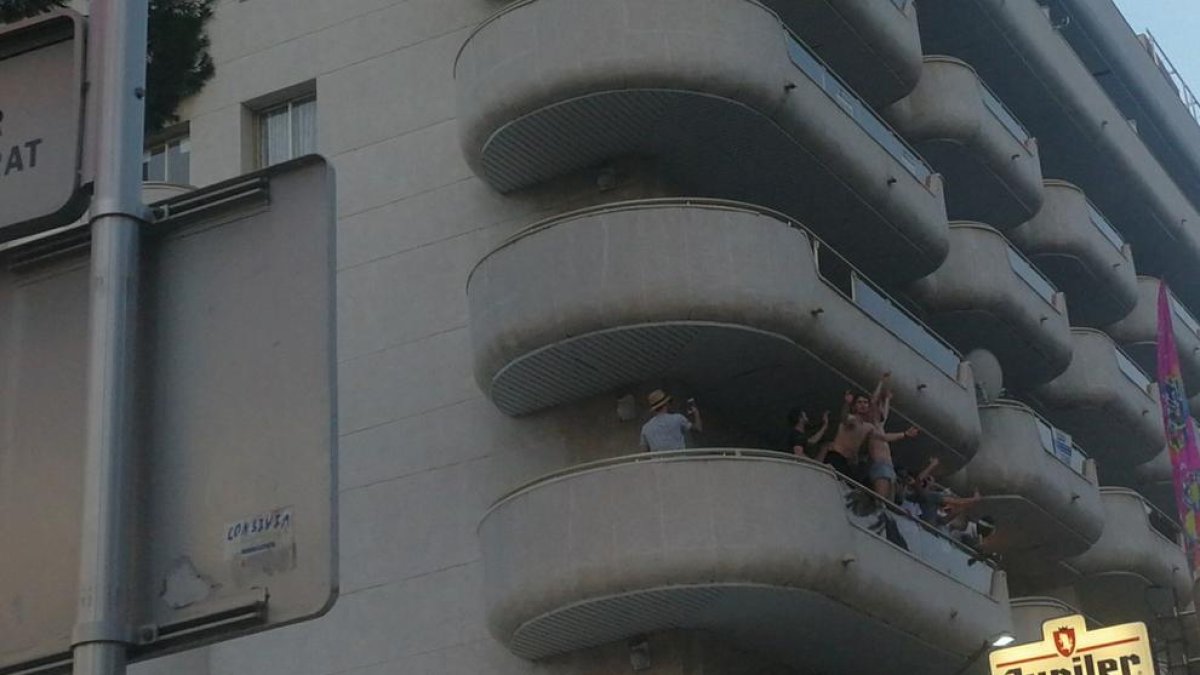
[(1069, 648), (235, 439), (41, 120)]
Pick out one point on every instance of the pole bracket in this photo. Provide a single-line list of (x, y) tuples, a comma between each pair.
[(101, 631)]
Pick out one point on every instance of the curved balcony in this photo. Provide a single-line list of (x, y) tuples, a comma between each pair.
[(988, 158), (761, 549), (1106, 402), (1029, 613), (1138, 333), (875, 45), (987, 295), (721, 94), (1138, 568), (742, 304), (1082, 135), (1154, 480), (1133, 70), (1078, 248), (1038, 488)]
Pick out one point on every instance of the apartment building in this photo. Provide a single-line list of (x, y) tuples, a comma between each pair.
[(549, 208)]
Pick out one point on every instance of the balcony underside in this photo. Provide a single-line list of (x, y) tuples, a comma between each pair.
[(1100, 34), (1137, 333), (1092, 266), (1082, 136), (1024, 362), (1117, 420), (751, 375), (1092, 295), (1133, 572), (976, 190), (713, 147), (749, 326), (990, 164), (717, 543), (873, 45), (977, 300), (1044, 509), (760, 618), (1025, 530), (735, 119)]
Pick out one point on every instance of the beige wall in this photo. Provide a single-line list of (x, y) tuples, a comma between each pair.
[(422, 452)]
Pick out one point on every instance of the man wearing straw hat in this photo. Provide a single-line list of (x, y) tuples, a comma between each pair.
[(666, 430)]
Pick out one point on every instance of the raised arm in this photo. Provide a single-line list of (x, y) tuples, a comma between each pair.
[(812, 440), (880, 398), (928, 470), (910, 432)]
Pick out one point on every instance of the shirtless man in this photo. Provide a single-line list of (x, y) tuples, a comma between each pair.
[(853, 430), (882, 470)]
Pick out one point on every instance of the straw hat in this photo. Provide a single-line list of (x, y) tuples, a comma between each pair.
[(658, 399)]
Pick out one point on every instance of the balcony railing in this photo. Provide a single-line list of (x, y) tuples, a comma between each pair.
[(1184, 315), (856, 109), (1031, 276), (1057, 444), (1132, 371), (865, 510), (1169, 71), (1002, 113), (870, 298), (1106, 228)]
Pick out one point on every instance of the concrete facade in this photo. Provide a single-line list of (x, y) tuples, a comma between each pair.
[(453, 129)]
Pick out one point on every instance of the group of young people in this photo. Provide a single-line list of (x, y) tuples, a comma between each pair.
[(860, 449)]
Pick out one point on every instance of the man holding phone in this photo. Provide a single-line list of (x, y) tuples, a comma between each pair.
[(667, 430)]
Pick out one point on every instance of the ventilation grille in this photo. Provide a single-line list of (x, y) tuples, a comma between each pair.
[(592, 364), (575, 134), (613, 618)]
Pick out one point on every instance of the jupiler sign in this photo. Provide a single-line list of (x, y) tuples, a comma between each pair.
[(1069, 648)]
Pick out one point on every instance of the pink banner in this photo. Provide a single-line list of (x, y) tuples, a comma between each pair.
[(1180, 430)]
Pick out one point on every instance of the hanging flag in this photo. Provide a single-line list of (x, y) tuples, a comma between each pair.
[(1180, 431)]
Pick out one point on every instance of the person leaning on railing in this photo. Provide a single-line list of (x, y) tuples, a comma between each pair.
[(668, 430), (799, 441)]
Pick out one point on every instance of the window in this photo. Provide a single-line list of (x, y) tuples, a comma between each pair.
[(287, 131), (169, 161)]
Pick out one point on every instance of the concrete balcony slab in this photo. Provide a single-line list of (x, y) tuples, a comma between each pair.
[(1039, 490), (875, 46), (1106, 402), (749, 309), (987, 295), (721, 94), (1083, 137), (1137, 333), (767, 551), (988, 158), (1083, 253), (1137, 569)]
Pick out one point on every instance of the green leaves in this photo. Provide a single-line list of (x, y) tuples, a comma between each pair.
[(177, 61)]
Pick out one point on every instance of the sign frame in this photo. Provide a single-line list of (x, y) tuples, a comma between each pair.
[(1068, 646), (28, 36)]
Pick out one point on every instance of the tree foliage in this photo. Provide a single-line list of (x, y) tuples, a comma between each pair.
[(177, 61)]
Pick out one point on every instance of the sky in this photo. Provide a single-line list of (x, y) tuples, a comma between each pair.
[(1176, 26)]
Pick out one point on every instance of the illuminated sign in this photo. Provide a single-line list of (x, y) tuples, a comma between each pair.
[(1069, 648)]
